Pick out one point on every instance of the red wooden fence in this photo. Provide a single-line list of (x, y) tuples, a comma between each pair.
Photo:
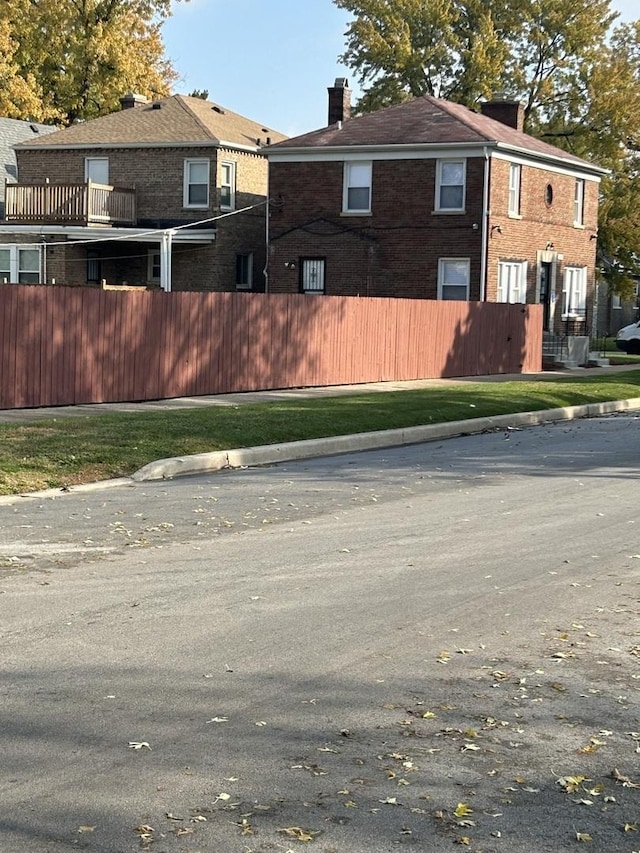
[(64, 346)]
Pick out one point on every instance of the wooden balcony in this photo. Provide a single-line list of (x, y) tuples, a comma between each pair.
[(69, 204)]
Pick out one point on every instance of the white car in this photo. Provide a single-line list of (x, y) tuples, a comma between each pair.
[(628, 339)]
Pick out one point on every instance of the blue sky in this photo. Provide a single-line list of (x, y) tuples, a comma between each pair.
[(270, 60)]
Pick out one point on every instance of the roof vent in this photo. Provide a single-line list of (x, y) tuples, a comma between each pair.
[(217, 109), (156, 105), (34, 128)]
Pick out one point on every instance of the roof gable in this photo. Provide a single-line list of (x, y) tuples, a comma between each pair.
[(177, 120), (427, 121)]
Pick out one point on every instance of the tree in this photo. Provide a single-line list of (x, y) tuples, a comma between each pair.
[(73, 59), (577, 74)]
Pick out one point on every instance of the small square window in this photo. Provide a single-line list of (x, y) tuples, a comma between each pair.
[(313, 275), (453, 278)]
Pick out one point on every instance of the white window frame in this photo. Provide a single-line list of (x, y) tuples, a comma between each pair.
[(99, 163), (578, 203), (244, 282), (228, 183), (307, 268), (187, 183), (515, 182), (153, 263), (350, 168), (574, 293), (440, 185), (512, 282), (443, 284), (16, 271)]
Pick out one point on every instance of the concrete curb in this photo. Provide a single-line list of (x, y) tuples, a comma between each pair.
[(270, 454)]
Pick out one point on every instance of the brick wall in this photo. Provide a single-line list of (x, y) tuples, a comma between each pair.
[(393, 252), (158, 175)]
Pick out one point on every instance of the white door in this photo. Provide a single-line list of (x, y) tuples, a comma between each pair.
[(96, 169)]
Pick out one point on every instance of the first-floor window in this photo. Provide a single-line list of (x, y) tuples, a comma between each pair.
[(453, 278), (244, 271), (574, 292), (153, 265), (512, 281), (93, 267), (313, 270), (20, 264)]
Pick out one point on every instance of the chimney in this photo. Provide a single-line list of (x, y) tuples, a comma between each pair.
[(504, 110), (131, 99), (339, 101)]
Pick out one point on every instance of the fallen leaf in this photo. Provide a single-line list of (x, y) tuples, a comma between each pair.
[(583, 836), (462, 810), (86, 828), (218, 720), (298, 833), (136, 744)]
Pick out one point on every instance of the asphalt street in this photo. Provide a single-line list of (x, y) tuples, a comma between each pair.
[(401, 649)]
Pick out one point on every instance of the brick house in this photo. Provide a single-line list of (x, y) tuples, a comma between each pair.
[(153, 195), (428, 199)]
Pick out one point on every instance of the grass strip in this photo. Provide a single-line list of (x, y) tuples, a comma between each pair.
[(72, 450)]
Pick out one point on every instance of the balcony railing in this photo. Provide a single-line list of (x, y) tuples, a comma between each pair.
[(65, 204)]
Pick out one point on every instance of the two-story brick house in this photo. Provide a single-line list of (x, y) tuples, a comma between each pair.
[(428, 199), (170, 193)]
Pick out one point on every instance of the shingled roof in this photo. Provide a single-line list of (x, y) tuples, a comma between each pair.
[(176, 120), (427, 121), (13, 131)]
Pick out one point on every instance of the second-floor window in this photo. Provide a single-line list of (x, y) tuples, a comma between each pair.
[(453, 278), (512, 281), (96, 169), (450, 185), (578, 202), (357, 188), (196, 183), (20, 264), (515, 177), (228, 185)]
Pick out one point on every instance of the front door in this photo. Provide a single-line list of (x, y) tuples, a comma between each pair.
[(545, 294)]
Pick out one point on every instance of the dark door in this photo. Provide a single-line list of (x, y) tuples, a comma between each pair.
[(545, 294)]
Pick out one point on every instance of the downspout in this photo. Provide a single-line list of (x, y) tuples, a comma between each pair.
[(44, 261), (485, 227), (265, 271)]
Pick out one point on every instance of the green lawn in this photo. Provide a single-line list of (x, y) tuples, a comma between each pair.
[(69, 451)]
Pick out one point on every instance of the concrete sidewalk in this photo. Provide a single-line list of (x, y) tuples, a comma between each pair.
[(245, 398)]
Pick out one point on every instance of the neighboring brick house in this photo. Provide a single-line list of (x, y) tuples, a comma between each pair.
[(107, 201), (428, 199)]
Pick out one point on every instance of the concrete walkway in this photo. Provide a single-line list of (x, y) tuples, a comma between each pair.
[(239, 399)]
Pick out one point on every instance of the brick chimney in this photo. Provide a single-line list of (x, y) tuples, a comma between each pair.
[(504, 110), (131, 99), (339, 101)]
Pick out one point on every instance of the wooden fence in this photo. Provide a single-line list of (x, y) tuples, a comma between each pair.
[(64, 346)]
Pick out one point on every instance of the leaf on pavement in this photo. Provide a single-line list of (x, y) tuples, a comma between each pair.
[(218, 720), (571, 783), (138, 744), (462, 810), (299, 833), (583, 836), (87, 828)]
